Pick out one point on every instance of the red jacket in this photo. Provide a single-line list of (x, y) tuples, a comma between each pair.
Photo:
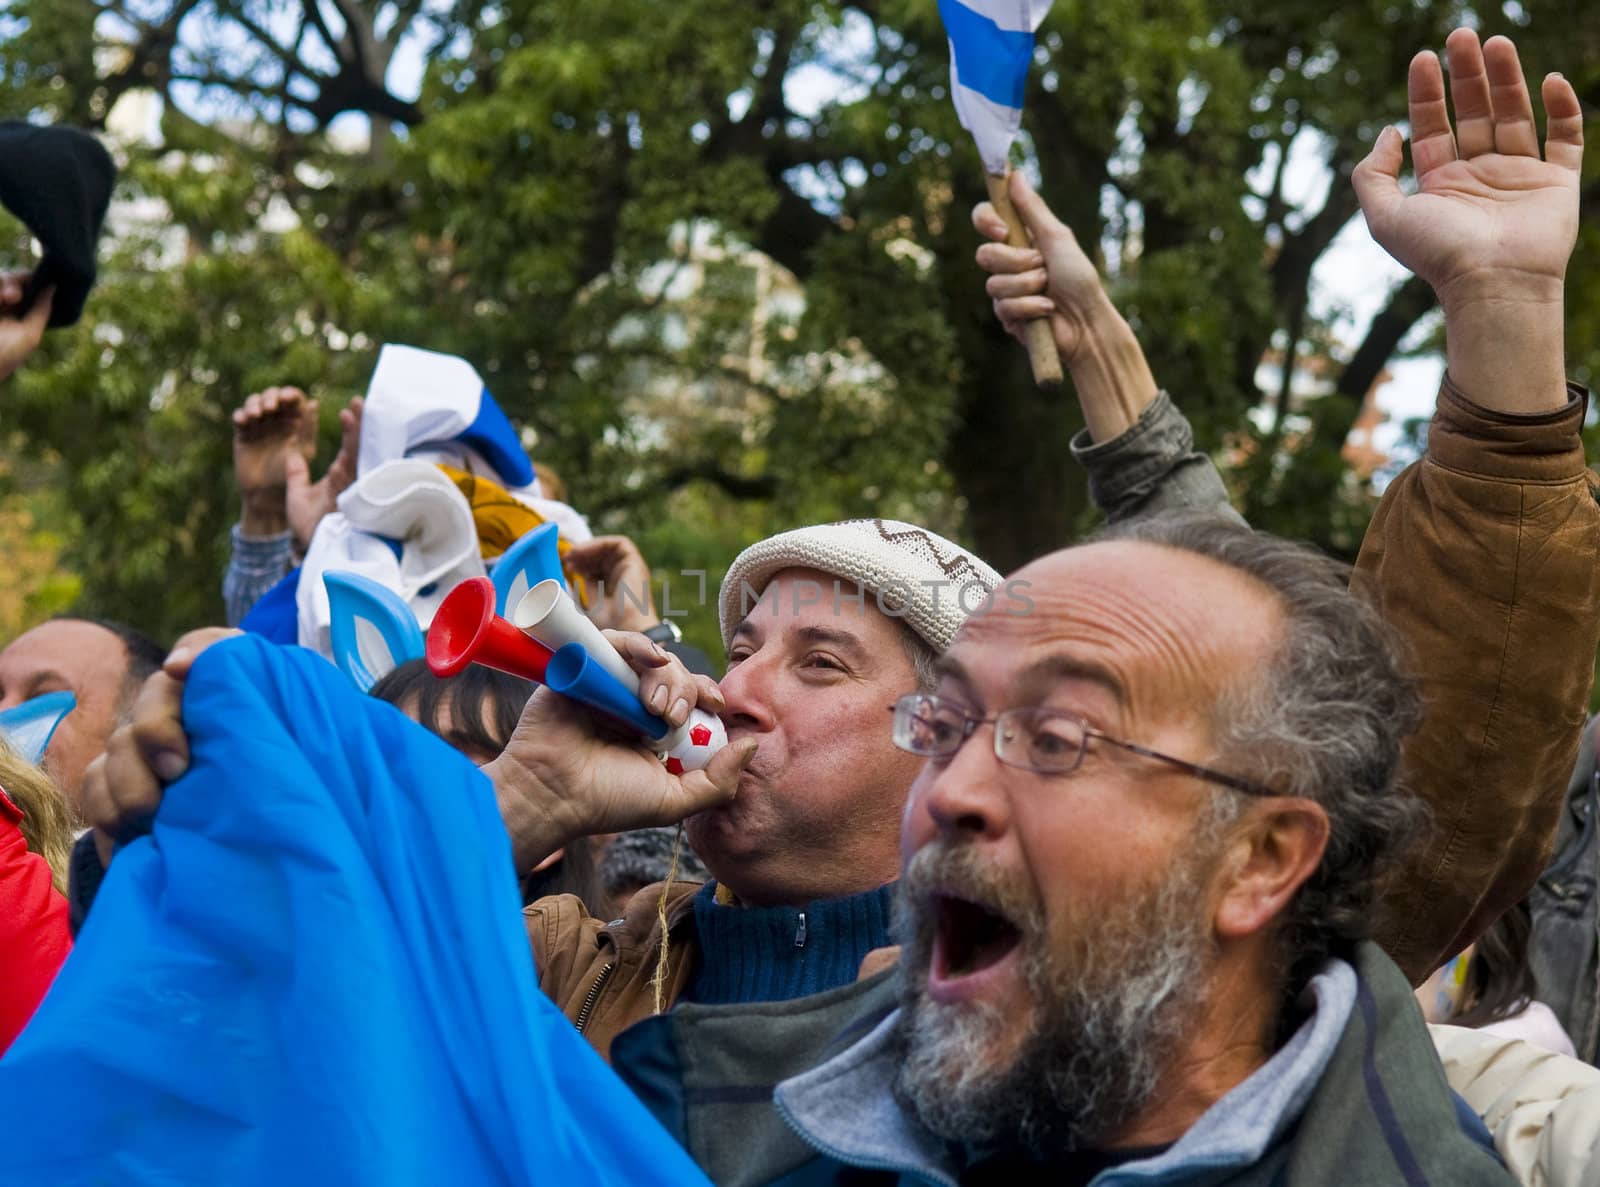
[(34, 939)]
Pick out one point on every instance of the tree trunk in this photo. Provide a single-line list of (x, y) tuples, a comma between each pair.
[(1008, 454)]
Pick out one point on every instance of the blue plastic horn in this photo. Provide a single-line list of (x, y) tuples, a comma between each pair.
[(573, 673), (372, 630), (532, 559), (27, 728)]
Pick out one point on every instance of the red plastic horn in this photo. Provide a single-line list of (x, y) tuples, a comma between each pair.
[(466, 630)]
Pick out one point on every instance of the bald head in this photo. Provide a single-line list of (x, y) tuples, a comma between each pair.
[(1158, 626)]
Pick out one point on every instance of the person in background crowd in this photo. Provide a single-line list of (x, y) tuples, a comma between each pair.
[(102, 663), (1491, 987), (631, 861), (475, 712), (1564, 906), (35, 839)]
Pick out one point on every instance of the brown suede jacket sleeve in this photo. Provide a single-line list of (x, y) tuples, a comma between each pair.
[(1483, 557)]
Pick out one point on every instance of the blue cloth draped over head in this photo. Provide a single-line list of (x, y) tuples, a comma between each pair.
[(313, 971)]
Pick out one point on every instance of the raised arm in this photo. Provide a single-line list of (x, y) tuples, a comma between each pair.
[(1137, 449), (1483, 554)]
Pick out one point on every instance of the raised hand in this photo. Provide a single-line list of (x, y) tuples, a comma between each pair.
[(274, 442), (306, 502), (618, 580), (1492, 223), (1055, 279), (268, 428)]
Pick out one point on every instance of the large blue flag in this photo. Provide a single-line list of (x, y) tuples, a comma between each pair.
[(313, 971)]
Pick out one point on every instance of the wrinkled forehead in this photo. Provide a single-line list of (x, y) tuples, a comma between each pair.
[(1162, 623)]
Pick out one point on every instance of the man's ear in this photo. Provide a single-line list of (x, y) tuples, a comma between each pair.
[(1274, 850)]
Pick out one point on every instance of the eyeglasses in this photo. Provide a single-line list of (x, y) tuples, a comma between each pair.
[(1032, 738)]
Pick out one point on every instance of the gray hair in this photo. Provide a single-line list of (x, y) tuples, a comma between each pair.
[(1324, 721), (922, 656)]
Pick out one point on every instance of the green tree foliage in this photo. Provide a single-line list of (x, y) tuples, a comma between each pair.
[(590, 202)]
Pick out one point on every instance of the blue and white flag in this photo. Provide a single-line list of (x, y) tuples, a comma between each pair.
[(991, 47), (421, 403), (314, 971)]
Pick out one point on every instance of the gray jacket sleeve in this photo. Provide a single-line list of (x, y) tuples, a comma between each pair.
[(255, 565), (1152, 467)]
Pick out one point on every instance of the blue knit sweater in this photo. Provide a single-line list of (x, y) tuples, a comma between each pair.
[(767, 954)]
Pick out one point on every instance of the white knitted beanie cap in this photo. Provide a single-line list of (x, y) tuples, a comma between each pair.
[(929, 583)]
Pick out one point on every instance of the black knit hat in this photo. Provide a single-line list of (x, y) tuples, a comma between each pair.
[(58, 182), (643, 857)]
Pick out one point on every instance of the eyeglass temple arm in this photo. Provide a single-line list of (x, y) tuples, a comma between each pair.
[(1194, 769)]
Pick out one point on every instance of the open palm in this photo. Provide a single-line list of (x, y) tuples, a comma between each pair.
[(1489, 211)]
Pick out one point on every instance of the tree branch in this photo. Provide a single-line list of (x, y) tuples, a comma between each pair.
[(1407, 306)]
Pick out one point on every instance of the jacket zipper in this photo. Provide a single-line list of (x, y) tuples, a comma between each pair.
[(594, 994), (800, 932)]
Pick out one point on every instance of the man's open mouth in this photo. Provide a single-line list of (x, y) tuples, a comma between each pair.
[(970, 937)]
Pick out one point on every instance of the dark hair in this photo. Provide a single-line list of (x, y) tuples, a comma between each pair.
[(1324, 720), (1500, 983), (145, 655), (466, 695), (485, 705)]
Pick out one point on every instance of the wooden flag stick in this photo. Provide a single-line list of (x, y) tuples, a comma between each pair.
[(1041, 342)]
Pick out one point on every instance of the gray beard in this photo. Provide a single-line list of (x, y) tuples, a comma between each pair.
[(1106, 1016)]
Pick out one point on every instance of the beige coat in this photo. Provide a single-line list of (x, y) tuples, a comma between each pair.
[(1542, 1108)]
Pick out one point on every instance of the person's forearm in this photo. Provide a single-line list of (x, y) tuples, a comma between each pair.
[(1505, 347), (263, 513), (1110, 373)]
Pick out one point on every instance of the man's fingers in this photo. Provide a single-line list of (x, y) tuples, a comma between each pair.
[(998, 258), (641, 654), (306, 428), (1040, 220), (343, 469), (1563, 141), (156, 732), (987, 222), (1013, 311), (667, 688), (1514, 131), (1377, 179), (188, 648), (132, 788), (709, 694), (94, 799), (719, 780), (1432, 143), (1021, 284), (296, 474), (1469, 94)]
